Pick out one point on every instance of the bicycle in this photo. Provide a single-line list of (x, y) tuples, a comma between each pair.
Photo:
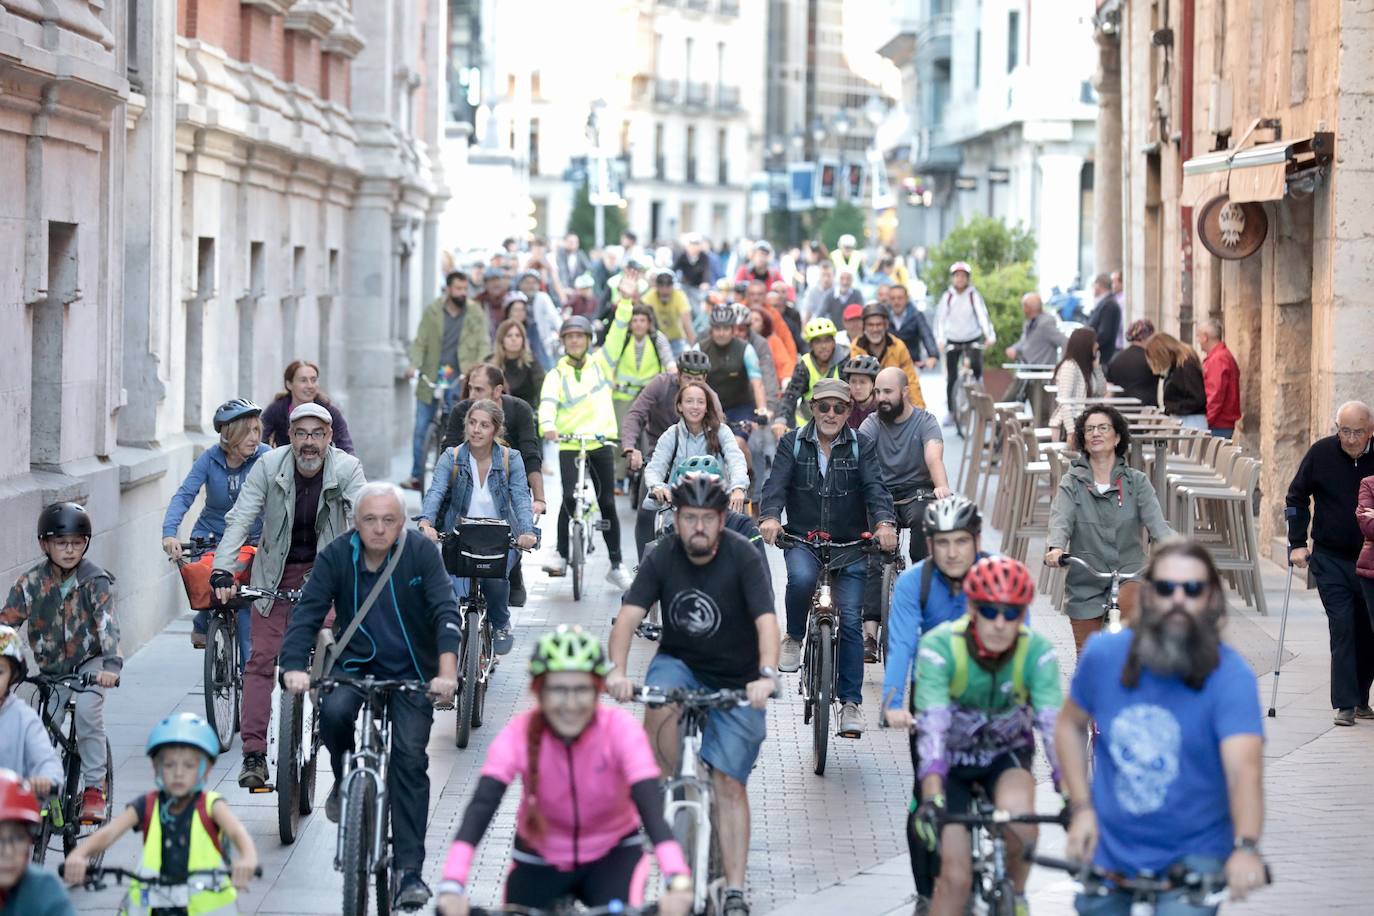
[(1111, 608), (149, 892), (61, 811), (362, 850), (987, 840), (615, 908), (959, 406), (1203, 889), (434, 433), (222, 674), (688, 794), (584, 508), (820, 646)]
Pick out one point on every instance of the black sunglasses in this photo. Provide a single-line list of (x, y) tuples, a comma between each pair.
[(835, 407), (1008, 612), (1164, 588)]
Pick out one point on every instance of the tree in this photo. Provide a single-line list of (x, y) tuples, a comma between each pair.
[(582, 220), (842, 219)]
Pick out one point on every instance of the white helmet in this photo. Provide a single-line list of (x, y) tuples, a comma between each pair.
[(11, 647), (847, 241)]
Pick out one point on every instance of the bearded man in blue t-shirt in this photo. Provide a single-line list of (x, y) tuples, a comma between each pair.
[(1179, 768)]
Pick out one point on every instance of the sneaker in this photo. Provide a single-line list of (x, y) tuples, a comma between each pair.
[(556, 567), (502, 640), (92, 806), (1364, 712), (1345, 717), (197, 640), (789, 654), (333, 803), (851, 721), (413, 483), (411, 892), (922, 907), (870, 649), (620, 577), (254, 772), (732, 903), (1022, 906)]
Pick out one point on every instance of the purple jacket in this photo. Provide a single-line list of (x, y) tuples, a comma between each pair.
[(276, 424)]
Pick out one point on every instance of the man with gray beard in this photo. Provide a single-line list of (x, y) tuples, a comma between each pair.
[(305, 492), (1178, 766)]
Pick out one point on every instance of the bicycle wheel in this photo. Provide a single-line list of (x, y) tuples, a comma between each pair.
[(960, 407), (1004, 902), (890, 573), (472, 650), (288, 767), (434, 437), (220, 683), (579, 558), (479, 704), (310, 768), (383, 875), (357, 843), (824, 683)]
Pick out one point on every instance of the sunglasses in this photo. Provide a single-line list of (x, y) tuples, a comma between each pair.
[(1192, 588), (1007, 612), (835, 407)]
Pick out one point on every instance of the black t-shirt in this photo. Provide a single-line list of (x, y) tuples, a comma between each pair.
[(176, 836), (303, 534), (708, 611)]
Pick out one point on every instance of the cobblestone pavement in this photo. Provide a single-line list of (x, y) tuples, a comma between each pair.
[(821, 845)]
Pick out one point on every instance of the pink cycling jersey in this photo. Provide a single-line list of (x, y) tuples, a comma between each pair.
[(584, 790)]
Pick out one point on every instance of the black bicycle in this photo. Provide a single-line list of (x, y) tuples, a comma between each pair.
[(61, 811), (1202, 889), (988, 843), (150, 892), (222, 676)]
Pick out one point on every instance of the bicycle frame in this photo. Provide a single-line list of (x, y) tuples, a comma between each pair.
[(988, 844), (1111, 608), (60, 811), (370, 761)]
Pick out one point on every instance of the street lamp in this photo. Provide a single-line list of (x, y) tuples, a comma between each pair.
[(598, 195), (842, 124)]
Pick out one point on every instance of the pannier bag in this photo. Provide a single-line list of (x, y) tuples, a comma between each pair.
[(478, 547)]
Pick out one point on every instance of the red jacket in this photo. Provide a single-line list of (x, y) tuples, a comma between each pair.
[(1365, 564), (1221, 378)]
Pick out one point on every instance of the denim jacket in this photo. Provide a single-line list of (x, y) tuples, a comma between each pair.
[(511, 495), (847, 501)]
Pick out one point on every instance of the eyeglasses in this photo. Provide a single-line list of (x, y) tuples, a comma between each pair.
[(560, 694), (1098, 428), (67, 543), (1348, 433), (1164, 588), (315, 435), (1007, 612), (835, 407), (12, 842)]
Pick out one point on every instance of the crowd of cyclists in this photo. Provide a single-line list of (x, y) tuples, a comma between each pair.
[(731, 417)]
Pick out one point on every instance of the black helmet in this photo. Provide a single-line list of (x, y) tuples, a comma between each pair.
[(953, 513), (876, 309), (694, 361), (233, 410), (577, 324), (700, 491), (860, 365), (64, 518), (723, 316)]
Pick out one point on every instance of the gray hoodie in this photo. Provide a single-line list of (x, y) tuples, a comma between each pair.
[(24, 744)]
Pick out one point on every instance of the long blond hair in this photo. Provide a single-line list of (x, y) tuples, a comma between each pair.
[(235, 431), (1164, 353), (498, 355)]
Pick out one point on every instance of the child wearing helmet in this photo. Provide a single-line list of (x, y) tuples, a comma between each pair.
[(24, 744), (25, 889), (185, 828), (589, 781), (66, 593), (823, 360)]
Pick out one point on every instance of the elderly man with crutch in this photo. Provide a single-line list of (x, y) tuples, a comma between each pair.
[(1328, 481)]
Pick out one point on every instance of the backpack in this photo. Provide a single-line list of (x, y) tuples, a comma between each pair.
[(958, 682), (202, 812)]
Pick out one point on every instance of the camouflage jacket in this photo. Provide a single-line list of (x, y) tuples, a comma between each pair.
[(65, 633)]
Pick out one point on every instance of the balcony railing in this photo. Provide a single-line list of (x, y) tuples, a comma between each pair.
[(727, 98), (665, 90), (691, 170), (697, 94)]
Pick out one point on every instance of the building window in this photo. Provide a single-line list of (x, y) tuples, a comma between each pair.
[(687, 60), (660, 166), (534, 146), (191, 411), (691, 154), (1013, 39), (977, 58), (722, 157), (720, 63), (49, 333)]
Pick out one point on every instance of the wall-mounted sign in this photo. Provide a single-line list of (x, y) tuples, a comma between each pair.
[(1232, 231), (999, 176), (801, 186), (965, 183), (854, 181)]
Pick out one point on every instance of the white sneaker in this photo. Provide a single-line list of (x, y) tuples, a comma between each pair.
[(620, 577), (556, 567), (789, 654)]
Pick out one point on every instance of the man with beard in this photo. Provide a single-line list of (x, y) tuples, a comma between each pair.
[(719, 631), (305, 493), (1178, 767), (877, 341)]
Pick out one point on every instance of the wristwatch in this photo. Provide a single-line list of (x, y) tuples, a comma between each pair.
[(680, 882), (769, 672), (1247, 844)]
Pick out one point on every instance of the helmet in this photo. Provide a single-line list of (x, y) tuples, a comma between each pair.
[(233, 410), (634, 262), (184, 728), (953, 513), (64, 518), (700, 491), (846, 241), (584, 281), (665, 275), (577, 324), (741, 314), (697, 464), (999, 580), (723, 316), (515, 296), (17, 801), (958, 266), (762, 245), (819, 327), (569, 648), (876, 309), (528, 274), (860, 365), (694, 362), (11, 648)]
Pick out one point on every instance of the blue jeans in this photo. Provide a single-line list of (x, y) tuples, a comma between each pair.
[(803, 569), (678, 346), (496, 591), (424, 415), (1118, 903)]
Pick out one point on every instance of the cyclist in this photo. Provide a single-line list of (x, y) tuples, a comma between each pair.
[(861, 374), (24, 744), (738, 522), (880, 343), (699, 432), (982, 683), (1178, 773), (576, 400), (25, 889), (719, 631), (68, 604), (733, 371), (575, 837), (655, 408), (827, 478), (848, 258), (642, 355), (823, 360), (221, 469), (185, 828), (672, 311), (411, 631), (962, 328)]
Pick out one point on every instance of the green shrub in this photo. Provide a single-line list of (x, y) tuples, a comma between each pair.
[(582, 220)]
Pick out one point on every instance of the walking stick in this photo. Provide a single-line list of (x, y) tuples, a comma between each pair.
[(1283, 626)]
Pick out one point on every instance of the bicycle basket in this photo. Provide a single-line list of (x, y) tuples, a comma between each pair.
[(478, 548), (195, 577)]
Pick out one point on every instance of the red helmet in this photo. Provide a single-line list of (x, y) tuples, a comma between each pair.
[(999, 580), (17, 801)]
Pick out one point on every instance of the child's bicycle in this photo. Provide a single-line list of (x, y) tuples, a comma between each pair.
[(151, 893), (61, 811)]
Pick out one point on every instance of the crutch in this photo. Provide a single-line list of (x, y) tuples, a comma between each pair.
[(1283, 626)]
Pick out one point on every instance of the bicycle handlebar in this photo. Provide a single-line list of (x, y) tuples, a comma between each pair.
[(371, 684), (445, 535), (813, 540), (998, 817), (1178, 876), (723, 698), (616, 908), (1071, 560), (95, 873), (255, 592), (77, 682)]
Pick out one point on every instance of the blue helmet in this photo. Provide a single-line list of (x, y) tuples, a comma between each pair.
[(185, 728)]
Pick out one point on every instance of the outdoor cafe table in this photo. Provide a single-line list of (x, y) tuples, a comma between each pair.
[(1160, 438)]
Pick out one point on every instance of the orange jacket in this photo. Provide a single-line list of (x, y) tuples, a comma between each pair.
[(894, 354)]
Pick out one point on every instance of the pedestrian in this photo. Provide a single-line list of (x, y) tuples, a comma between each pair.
[(962, 328), (302, 380), (1220, 378), (1325, 492), (572, 261), (523, 374), (847, 256), (1105, 319), (541, 318), (1077, 378), (1041, 337), (1131, 370), (760, 266), (1182, 392)]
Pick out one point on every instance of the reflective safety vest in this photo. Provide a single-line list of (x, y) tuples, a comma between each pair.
[(634, 370), (854, 264), (814, 375), (958, 682), (578, 402), (203, 855)]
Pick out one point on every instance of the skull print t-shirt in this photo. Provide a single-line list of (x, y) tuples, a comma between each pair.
[(709, 610), (1159, 788)]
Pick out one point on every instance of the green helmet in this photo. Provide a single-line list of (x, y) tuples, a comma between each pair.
[(697, 464), (569, 648)]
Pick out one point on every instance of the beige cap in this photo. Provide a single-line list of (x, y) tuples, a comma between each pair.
[(832, 388), (312, 411)]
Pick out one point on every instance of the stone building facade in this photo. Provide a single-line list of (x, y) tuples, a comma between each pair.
[(208, 190)]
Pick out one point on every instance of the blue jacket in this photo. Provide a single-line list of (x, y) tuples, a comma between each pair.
[(38, 893), (511, 496), (221, 484), (907, 620)]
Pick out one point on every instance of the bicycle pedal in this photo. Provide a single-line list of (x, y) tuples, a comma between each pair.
[(602, 524), (262, 790)]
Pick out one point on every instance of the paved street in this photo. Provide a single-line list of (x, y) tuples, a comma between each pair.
[(821, 845)]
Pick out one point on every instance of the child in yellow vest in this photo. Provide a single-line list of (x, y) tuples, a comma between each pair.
[(185, 828)]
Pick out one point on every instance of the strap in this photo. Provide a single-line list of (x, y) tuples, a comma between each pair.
[(448, 494), (337, 649), (203, 802), (958, 682), (927, 577), (149, 802), (1018, 666)]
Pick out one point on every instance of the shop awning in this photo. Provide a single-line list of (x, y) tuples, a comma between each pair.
[(1252, 174)]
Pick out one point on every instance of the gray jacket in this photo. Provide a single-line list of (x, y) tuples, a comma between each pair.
[(270, 490), (677, 444), (1040, 340), (1102, 528)]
